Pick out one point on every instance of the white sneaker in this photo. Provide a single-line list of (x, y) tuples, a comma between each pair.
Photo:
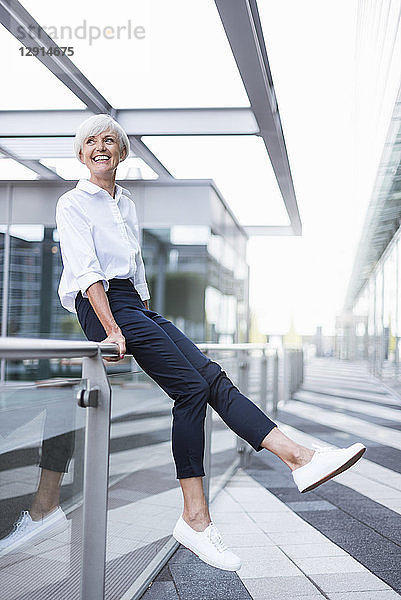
[(207, 544), (325, 464), (27, 532)]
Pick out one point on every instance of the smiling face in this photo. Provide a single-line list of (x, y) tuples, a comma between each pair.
[(101, 153)]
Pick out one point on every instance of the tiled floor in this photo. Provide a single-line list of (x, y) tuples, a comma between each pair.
[(343, 540)]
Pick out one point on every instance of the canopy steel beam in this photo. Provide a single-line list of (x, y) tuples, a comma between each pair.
[(34, 165), (16, 19), (188, 121), (41, 123), (259, 230), (147, 155), (244, 32), (136, 122)]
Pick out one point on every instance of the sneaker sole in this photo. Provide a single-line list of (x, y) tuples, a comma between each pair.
[(184, 542), (343, 467)]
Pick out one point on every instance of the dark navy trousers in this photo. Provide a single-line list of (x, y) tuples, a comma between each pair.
[(177, 365)]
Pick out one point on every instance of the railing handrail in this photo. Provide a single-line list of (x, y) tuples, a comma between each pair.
[(242, 346), (16, 348)]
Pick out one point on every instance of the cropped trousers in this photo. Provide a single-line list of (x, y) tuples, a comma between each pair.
[(189, 377)]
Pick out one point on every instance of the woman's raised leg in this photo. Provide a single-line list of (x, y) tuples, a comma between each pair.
[(237, 411)]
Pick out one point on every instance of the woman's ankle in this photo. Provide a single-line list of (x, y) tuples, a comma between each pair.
[(198, 520), (302, 456)]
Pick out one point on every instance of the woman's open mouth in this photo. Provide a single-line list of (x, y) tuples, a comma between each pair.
[(101, 158)]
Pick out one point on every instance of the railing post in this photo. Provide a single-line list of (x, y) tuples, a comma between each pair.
[(301, 360), (96, 477), (208, 452), (208, 449), (243, 373), (303, 367), (286, 375), (275, 383), (294, 371), (263, 381)]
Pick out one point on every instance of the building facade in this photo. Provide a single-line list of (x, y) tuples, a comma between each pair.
[(194, 252)]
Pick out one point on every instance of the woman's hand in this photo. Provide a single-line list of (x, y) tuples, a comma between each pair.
[(146, 304), (116, 337)]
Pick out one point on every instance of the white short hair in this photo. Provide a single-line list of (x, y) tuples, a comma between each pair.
[(96, 124)]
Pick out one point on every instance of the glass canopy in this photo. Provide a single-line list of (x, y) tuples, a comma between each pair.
[(141, 54), (11, 169), (147, 54), (30, 84), (239, 165)]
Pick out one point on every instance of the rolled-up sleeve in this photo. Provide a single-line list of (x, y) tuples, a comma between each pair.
[(139, 278), (77, 246)]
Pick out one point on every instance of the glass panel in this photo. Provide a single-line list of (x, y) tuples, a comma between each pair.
[(69, 168), (361, 317), (33, 85), (41, 471), (37, 148), (389, 313), (239, 165), (3, 229), (371, 321), (58, 155), (34, 307), (181, 272), (221, 316), (11, 169), (142, 54), (379, 300), (379, 318), (224, 441), (144, 495)]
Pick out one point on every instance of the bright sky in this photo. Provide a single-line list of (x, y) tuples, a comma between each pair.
[(311, 51), (185, 60)]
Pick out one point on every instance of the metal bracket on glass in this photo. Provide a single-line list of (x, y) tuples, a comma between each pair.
[(87, 396)]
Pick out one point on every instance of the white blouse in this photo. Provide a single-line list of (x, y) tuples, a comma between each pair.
[(99, 240)]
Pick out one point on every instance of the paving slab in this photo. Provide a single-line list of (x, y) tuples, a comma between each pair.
[(371, 595), (274, 587), (161, 590), (348, 582)]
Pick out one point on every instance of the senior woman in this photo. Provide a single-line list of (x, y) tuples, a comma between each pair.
[(104, 282)]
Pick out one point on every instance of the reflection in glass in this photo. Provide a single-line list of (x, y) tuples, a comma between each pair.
[(41, 474), (197, 280)]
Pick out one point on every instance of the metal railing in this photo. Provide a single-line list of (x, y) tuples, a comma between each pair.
[(94, 395), (294, 371)]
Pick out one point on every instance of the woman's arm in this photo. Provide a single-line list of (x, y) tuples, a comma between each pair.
[(100, 303)]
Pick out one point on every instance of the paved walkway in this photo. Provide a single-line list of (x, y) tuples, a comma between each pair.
[(341, 541)]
